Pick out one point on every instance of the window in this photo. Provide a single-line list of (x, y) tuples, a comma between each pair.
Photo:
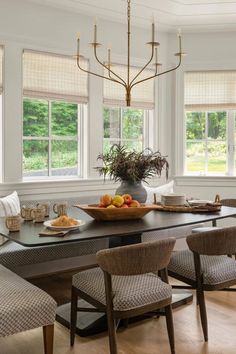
[(124, 125), (210, 111), (54, 109)]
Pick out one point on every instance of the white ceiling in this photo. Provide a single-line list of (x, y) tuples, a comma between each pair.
[(189, 15)]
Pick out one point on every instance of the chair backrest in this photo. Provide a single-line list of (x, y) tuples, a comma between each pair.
[(136, 259), (215, 242), (229, 202)]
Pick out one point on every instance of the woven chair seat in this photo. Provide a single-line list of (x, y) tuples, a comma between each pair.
[(216, 269), (129, 291), (23, 306)]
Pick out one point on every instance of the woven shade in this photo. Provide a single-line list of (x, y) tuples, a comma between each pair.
[(54, 76), (142, 95), (1, 69), (210, 90)]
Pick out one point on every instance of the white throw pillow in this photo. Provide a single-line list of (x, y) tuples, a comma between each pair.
[(9, 205), (164, 189)]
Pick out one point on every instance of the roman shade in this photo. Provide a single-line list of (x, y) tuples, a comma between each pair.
[(142, 95), (52, 76), (210, 90)]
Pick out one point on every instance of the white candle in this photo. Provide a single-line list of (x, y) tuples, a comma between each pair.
[(180, 44), (78, 44), (109, 58), (95, 34), (95, 30), (153, 32)]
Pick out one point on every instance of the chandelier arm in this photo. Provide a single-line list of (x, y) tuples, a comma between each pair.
[(158, 74), (110, 71), (98, 75), (140, 72)]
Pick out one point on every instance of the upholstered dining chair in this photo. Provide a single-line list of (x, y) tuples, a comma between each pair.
[(206, 266), (125, 285), (23, 306), (225, 202)]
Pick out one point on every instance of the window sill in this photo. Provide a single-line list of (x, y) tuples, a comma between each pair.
[(54, 188), (211, 181)]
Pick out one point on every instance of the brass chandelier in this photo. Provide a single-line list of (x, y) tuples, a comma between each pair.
[(128, 83)]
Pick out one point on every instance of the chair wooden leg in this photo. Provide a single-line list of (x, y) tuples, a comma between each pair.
[(112, 332), (203, 314), (48, 333), (170, 328), (73, 316)]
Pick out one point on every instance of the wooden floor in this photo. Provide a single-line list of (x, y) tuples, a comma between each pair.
[(147, 337)]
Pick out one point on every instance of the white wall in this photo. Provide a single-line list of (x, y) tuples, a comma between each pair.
[(24, 25)]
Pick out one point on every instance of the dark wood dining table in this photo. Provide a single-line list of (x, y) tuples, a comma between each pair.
[(119, 233), (127, 230)]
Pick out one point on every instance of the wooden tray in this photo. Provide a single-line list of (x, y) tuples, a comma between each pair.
[(110, 214), (208, 208)]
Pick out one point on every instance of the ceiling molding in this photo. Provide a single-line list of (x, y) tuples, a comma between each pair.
[(191, 16)]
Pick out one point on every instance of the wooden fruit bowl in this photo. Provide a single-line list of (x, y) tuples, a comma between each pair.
[(113, 214)]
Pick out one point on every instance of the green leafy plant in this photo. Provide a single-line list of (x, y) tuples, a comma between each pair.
[(121, 164)]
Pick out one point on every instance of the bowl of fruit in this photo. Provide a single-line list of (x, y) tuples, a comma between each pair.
[(119, 207)]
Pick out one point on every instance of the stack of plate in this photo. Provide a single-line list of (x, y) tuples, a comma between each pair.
[(173, 199)]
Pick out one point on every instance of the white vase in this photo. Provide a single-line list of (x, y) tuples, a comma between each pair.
[(135, 189)]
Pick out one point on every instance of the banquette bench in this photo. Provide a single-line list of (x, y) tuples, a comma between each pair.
[(34, 261)]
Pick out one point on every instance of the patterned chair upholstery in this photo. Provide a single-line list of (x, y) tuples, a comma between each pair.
[(23, 306), (206, 266), (125, 286)]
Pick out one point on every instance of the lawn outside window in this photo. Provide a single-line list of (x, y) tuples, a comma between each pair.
[(51, 138), (210, 124)]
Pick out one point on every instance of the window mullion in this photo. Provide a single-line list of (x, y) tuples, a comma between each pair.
[(49, 138), (230, 142), (206, 143)]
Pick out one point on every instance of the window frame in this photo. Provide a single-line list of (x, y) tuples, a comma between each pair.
[(206, 141), (81, 118), (147, 139), (179, 129)]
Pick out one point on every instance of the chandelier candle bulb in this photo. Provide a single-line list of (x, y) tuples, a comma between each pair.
[(153, 33), (95, 33), (180, 44), (78, 45)]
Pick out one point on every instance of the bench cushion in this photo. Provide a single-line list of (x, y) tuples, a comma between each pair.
[(13, 254), (23, 306)]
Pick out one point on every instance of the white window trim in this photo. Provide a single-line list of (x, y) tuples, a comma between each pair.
[(91, 183), (78, 138), (180, 134), (147, 139)]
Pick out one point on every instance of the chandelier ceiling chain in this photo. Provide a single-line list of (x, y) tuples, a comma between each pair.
[(129, 83)]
